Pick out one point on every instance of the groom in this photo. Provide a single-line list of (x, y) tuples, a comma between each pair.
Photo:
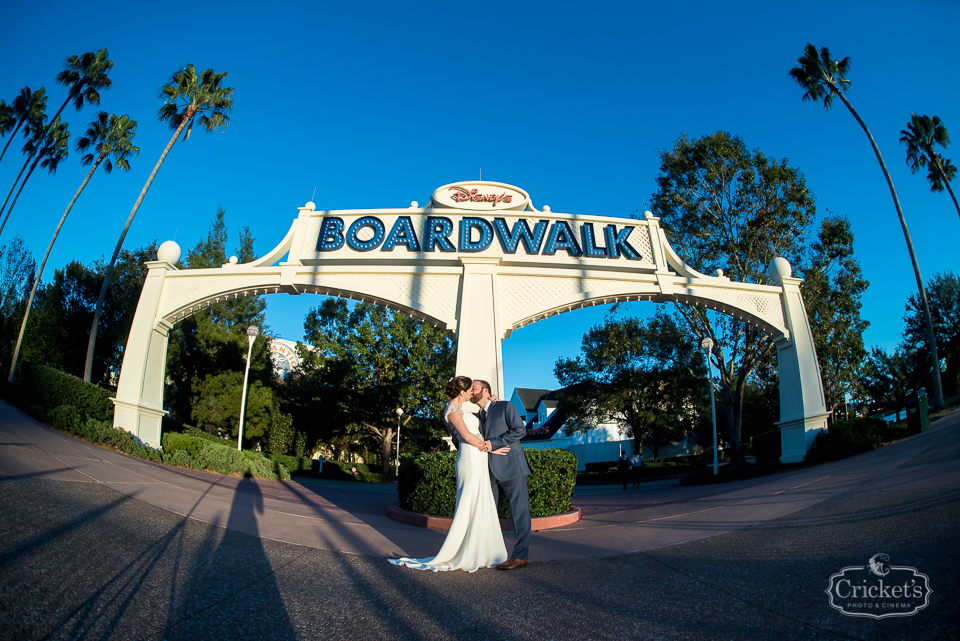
[(502, 426)]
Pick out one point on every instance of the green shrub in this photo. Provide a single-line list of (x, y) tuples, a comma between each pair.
[(224, 459), (767, 447), (294, 464), (180, 458), (196, 432), (428, 483), (192, 445), (341, 471), (844, 439), (66, 419), (48, 387)]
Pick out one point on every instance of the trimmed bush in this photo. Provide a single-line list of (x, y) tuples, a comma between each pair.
[(428, 483), (767, 446), (48, 387), (192, 445), (340, 471), (844, 439), (224, 459), (295, 465)]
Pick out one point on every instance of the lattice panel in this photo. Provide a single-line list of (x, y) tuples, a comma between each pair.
[(523, 296), (765, 306), (200, 290), (435, 294)]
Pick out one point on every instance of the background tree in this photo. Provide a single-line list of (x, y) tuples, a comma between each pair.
[(944, 295), (26, 110), (108, 135), (725, 207), (17, 268), (822, 78), (921, 134), (887, 378), (60, 318), (832, 290), (379, 360), (646, 376), (186, 97), (207, 352)]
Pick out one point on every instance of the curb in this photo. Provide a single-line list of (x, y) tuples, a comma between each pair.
[(442, 524)]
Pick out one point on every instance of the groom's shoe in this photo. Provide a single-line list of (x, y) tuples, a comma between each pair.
[(511, 564)]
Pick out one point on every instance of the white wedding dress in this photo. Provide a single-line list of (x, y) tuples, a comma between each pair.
[(475, 539)]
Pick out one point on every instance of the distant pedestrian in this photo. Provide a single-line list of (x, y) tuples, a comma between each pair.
[(636, 468), (623, 468)]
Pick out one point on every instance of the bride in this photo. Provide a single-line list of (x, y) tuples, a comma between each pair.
[(474, 540)]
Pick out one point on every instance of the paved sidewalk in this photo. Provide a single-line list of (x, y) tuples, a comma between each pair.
[(95, 544)]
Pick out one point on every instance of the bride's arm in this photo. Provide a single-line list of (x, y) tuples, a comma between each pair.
[(456, 419)]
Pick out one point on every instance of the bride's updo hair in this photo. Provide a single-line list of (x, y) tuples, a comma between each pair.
[(456, 385)]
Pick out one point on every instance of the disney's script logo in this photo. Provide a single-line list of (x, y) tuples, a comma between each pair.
[(462, 195), (878, 590)]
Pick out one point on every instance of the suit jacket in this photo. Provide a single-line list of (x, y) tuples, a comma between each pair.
[(504, 427)]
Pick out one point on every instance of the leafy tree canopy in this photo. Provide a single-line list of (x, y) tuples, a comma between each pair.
[(647, 376), (373, 361)]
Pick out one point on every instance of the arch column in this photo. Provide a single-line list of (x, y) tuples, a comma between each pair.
[(479, 335), (138, 407), (803, 410)]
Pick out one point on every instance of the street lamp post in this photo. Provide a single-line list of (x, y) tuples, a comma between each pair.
[(252, 333), (707, 345), (399, 414)]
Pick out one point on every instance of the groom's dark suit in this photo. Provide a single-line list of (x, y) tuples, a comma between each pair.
[(502, 426)]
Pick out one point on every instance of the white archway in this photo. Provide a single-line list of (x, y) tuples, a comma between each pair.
[(480, 261)]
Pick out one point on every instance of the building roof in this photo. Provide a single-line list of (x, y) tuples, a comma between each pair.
[(530, 397)]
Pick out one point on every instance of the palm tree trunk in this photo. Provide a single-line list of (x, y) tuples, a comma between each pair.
[(943, 177), (12, 135), (22, 185), (928, 319), (36, 281), (12, 187), (92, 343)]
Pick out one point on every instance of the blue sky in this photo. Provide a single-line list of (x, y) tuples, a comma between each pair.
[(375, 104)]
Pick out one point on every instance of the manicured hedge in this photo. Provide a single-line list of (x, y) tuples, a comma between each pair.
[(767, 446), (294, 464), (846, 438), (341, 471), (428, 483), (50, 388)]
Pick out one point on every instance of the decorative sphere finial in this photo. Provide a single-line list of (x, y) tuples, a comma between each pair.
[(168, 252), (310, 205), (778, 269), (546, 208), (414, 204), (648, 214), (233, 260)]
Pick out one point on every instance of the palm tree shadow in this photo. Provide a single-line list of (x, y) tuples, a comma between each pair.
[(233, 588)]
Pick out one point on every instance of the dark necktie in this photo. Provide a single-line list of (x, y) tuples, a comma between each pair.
[(483, 415)]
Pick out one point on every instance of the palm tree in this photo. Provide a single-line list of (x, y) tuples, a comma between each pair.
[(86, 76), (48, 155), (186, 97), (107, 135), (921, 134), (34, 125), (822, 77), (27, 108)]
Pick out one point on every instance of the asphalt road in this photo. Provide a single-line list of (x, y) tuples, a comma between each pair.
[(86, 558)]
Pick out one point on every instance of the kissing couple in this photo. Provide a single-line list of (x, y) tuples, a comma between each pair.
[(489, 456)]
